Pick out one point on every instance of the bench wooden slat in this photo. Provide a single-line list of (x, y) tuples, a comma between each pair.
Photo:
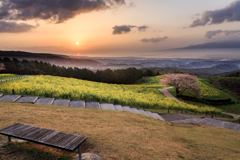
[(43, 139), (43, 134), (28, 132), (68, 141), (37, 133), (22, 130), (12, 128), (54, 138), (73, 144), (61, 140), (17, 129), (4, 129)]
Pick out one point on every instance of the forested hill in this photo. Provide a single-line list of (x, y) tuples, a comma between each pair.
[(231, 74), (120, 76)]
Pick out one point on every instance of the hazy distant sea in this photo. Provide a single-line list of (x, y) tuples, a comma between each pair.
[(219, 54)]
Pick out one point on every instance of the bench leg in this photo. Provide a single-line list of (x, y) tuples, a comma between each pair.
[(79, 153), (9, 138)]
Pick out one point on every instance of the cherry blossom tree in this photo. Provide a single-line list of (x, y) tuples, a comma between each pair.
[(182, 83)]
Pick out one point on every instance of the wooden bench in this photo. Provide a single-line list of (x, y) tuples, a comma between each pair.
[(44, 136)]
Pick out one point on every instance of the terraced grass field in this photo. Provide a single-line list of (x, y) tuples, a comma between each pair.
[(138, 95)]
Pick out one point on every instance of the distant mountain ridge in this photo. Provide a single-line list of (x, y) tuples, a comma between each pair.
[(57, 59), (215, 70)]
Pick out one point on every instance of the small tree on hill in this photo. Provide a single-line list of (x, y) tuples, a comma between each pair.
[(182, 83)]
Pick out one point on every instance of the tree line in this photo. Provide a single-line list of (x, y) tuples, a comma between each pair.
[(33, 67)]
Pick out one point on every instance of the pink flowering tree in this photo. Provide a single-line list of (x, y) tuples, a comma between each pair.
[(182, 83)]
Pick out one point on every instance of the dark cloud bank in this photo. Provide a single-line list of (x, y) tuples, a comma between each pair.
[(230, 13), (55, 11), (127, 28), (12, 27), (215, 45), (154, 40)]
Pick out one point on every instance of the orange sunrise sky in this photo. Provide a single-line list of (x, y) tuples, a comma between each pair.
[(115, 27)]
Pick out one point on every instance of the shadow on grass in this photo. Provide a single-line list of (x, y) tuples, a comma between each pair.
[(33, 151)]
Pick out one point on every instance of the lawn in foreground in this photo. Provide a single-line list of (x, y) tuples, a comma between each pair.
[(123, 135)]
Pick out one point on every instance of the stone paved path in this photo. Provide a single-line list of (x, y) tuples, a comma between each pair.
[(2, 80), (76, 104)]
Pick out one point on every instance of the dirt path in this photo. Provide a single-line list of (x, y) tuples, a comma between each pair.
[(168, 94)]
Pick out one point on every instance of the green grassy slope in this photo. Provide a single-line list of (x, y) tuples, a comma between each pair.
[(230, 85), (210, 92)]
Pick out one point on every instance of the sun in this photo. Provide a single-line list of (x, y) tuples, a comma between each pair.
[(77, 43)]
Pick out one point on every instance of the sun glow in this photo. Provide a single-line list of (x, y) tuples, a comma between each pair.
[(77, 43)]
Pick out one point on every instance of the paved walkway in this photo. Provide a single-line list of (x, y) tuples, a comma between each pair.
[(76, 104), (2, 80), (235, 116)]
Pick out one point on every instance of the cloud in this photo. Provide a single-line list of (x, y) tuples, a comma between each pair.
[(143, 28), (154, 40), (127, 28), (56, 11), (210, 34), (122, 29), (12, 27), (230, 13)]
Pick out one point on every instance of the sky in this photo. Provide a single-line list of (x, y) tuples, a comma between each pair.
[(116, 28)]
